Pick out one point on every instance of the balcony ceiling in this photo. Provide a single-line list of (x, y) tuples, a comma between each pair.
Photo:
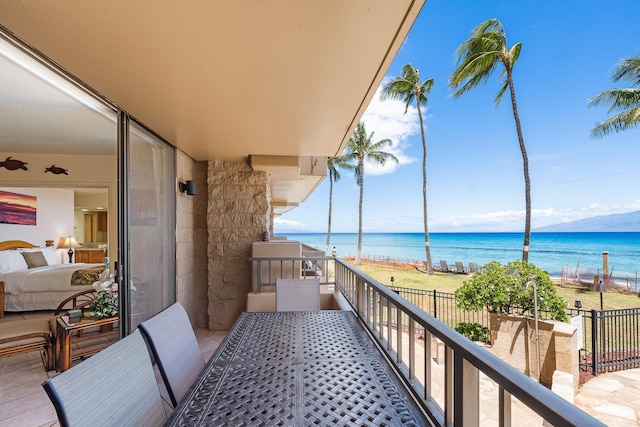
[(226, 79)]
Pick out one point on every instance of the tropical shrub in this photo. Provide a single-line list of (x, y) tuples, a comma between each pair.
[(503, 289), (474, 331)]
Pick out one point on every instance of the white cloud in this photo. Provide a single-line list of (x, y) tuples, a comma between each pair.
[(288, 224), (514, 220), (387, 119), (488, 221)]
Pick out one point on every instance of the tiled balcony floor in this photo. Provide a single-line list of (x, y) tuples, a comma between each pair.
[(612, 398), (23, 401)]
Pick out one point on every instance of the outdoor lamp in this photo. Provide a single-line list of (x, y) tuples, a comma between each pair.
[(68, 242), (578, 304), (188, 187)]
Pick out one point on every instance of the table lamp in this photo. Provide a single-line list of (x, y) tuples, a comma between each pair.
[(68, 242)]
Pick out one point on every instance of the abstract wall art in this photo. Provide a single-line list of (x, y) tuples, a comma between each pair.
[(17, 208)]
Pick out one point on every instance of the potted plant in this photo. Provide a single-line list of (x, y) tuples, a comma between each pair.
[(106, 303)]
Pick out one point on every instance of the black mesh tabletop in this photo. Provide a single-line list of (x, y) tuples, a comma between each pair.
[(298, 369)]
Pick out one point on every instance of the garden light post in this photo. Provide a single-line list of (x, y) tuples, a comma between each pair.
[(535, 307)]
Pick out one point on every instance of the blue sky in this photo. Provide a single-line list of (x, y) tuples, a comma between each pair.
[(474, 167)]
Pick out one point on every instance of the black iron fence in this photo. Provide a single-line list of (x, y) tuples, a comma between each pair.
[(609, 339), (442, 306)]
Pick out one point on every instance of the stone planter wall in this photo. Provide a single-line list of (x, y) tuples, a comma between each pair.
[(513, 340)]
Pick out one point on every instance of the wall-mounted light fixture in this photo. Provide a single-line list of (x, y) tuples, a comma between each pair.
[(188, 187)]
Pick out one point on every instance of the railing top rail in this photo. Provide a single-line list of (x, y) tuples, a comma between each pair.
[(554, 408), (281, 258)]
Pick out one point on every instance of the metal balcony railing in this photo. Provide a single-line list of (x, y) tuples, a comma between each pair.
[(455, 393)]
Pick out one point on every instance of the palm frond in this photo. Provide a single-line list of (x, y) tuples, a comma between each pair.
[(407, 88), (619, 123), (514, 53), (626, 101), (361, 148), (617, 99), (473, 72), (335, 163), (501, 92), (628, 69), (480, 55)]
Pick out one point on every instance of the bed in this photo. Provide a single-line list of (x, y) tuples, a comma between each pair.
[(31, 277)]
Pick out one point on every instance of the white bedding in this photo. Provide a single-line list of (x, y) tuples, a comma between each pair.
[(52, 278)]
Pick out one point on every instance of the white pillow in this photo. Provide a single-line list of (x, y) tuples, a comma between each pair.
[(50, 255), (12, 260), (48, 252)]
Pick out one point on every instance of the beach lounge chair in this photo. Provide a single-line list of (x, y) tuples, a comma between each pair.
[(444, 266), (473, 267), (460, 268)]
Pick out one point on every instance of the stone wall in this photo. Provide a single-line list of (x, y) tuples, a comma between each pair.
[(513, 339), (237, 215), (191, 241)]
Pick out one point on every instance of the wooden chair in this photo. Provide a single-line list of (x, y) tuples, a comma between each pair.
[(116, 387), (297, 294), (175, 349), (79, 300), (27, 335)]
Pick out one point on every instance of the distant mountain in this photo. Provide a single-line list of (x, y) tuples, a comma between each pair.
[(617, 222)]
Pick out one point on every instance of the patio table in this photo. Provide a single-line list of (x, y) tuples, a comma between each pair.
[(298, 369)]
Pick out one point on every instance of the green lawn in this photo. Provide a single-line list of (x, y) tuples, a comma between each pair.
[(449, 282)]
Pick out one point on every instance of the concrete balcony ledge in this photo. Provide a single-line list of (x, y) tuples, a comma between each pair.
[(266, 301)]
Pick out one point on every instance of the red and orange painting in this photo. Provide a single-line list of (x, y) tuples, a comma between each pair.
[(17, 208)]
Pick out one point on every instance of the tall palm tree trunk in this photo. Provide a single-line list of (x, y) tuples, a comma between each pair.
[(424, 194), (525, 168), (326, 246), (361, 178)]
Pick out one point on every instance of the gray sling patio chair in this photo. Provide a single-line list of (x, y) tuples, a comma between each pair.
[(297, 294), (115, 387), (175, 349)]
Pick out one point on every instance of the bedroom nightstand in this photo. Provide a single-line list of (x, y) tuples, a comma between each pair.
[(82, 339)]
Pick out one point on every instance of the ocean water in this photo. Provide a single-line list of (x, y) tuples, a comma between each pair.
[(549, 251)]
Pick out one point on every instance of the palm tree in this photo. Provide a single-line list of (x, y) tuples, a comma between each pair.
[(359, 149), (408, 89), (627, 101), (478, 56), (333, 163)]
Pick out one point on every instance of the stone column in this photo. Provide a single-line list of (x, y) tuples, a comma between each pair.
[(237, 215), (191, 241)]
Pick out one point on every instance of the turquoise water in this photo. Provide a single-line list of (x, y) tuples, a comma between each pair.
[(549, 251)]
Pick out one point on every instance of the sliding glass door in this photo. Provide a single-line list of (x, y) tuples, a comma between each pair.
[(147, 223)]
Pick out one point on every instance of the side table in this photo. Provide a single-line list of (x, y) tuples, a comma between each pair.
[(82, 339)]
